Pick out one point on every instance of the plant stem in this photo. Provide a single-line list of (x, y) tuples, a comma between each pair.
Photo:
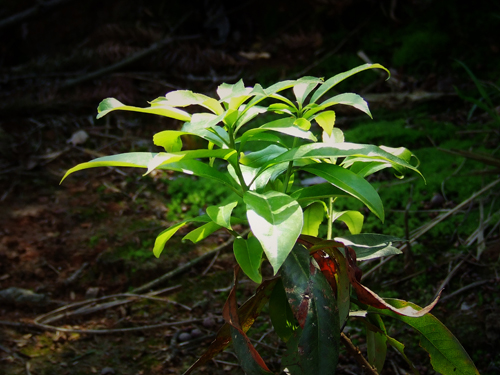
[(289, 170), (236, 166), (329, 215)]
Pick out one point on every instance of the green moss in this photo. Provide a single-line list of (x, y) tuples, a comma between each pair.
[(420, 48)]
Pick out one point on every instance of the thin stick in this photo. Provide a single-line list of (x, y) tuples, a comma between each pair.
[(117, 330), (211, 263), (186, 266), (467, 287), (356, 353), (425, 228), (449, 276)]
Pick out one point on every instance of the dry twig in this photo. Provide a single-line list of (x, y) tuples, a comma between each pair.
[(356, 353)]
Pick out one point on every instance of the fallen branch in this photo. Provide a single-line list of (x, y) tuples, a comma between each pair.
[(127, 61), (84, 307), (21, 16)]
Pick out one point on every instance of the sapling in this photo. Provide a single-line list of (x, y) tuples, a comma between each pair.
[(315, 279)]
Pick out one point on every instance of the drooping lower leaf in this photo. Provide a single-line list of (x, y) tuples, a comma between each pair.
[(343, 285), (247, 313), (401, 349), (376, 343), (446, 353), (249, 359), (295, 277), (371, 298), (282, 318), (248, 254), (276, 221)]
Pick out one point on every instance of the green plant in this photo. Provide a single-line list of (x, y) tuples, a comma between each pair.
[(485, 101), (309, 295)]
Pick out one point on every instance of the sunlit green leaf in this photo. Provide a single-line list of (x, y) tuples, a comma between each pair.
[(313, 217), (304, 87), (221, 215), (323, 151), (183, 98), (302, 123), (353, 219), (230, 117), (281, 108), (249, 115), (216, 134), (284, 125), (202, 232), (341, 76), (326, 120), (164, 236), (170, 140), (351, 99), (130, 159), (111, 104), (351, 183), (364, 167), (163, 158), (234, 94), (319, 191), (276, 221), (263, 156)]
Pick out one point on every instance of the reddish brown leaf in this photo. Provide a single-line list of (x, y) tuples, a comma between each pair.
[(370, 298), (328, 267), (247, 314), (230, 314)]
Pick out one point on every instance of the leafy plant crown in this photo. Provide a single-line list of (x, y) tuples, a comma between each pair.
[(310, 301)]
